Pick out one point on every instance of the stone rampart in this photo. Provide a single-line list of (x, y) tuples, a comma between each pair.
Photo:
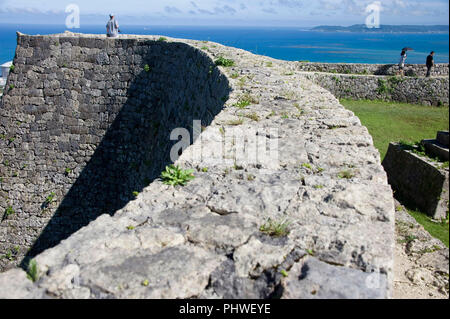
[(440, 69), (84, 124), (313, 219), (415, 90)]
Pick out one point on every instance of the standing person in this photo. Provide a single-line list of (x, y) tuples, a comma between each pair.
[(401, 64), (112, 27), (430, 63)]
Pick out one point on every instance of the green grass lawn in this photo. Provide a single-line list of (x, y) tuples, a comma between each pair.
[(393, 122), (437, 230)]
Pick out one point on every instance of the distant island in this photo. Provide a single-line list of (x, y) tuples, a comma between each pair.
[(385, 28)]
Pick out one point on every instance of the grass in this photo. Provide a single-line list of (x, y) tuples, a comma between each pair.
[(439, 230), (275, 228), (393, 122), (406, 123)]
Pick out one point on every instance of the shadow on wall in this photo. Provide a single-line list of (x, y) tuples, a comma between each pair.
[(167, 94)]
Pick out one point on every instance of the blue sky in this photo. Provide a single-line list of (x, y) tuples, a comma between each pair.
[(302, 13)]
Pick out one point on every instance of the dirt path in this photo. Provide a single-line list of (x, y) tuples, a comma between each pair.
[(421, 268)]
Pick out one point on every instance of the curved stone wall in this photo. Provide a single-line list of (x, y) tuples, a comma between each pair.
[(85, 123), (214, 237)]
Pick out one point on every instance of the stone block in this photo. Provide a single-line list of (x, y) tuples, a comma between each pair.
[(418, 180)]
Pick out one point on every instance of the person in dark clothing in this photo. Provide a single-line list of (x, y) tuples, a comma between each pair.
[(430, 63)]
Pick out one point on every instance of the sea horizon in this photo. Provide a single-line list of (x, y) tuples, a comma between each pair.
[(279, 42)]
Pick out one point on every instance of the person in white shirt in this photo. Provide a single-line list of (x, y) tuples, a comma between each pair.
[(112, 27)]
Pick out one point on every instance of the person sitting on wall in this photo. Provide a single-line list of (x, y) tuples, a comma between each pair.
[(112, 27), (430, 63)]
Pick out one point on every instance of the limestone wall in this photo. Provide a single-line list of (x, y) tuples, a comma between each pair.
[(440, 69), (85, 122), (212, 238), (416, 90)]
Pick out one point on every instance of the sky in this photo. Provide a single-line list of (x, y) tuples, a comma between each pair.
[(299, 13)]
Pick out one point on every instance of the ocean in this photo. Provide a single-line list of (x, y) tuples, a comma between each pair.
[(292, 44)]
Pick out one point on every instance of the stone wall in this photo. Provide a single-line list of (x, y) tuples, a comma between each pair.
[(213, 238), (85, 122), (440, 69), (418, 181), (416, 90)]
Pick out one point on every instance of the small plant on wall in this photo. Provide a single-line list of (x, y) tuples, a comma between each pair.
[(174, 175)]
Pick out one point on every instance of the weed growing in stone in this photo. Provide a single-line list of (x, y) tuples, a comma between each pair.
[(32, 271), (346, 174), (50, 198), (310, 252), (245, 100), (252, 116), (174, 175), (284, 273), (11, 68), (9, 211), (221, 61), (307, 165), (234, 75), (275, 228), (11, 254), (147, 68), (236, 122)]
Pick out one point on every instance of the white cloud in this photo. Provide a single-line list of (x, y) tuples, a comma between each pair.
[(340, 11)]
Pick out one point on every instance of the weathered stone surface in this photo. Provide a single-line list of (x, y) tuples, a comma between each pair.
[(16, 285), (422, 261), (203, 240), (311, 279)]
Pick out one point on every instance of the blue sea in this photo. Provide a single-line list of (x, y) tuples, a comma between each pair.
[(281, 43)]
